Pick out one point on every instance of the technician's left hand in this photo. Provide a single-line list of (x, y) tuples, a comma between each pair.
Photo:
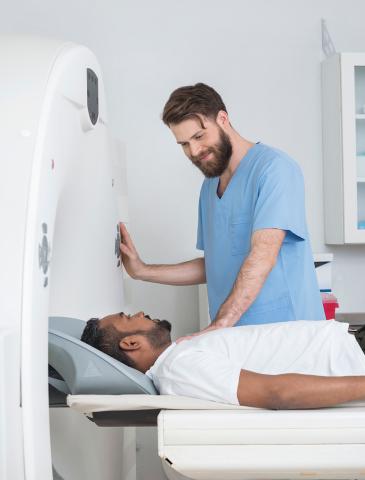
[(216, 325)]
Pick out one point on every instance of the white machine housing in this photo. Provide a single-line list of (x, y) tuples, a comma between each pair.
[(59, 250)]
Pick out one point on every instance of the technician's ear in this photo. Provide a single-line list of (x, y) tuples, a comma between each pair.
[(222, 118), (130, 343)]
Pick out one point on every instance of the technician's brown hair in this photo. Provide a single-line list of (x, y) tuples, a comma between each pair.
[(192, 101)]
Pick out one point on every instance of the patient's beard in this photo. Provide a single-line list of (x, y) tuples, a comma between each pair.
[(159, 336)]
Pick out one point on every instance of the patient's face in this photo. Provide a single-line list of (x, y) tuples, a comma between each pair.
[(141, 338), (130, 323)]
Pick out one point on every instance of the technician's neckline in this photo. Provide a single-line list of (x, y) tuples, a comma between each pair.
[(243, 161)]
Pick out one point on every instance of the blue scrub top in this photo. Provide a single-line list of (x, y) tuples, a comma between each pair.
[(265, 191)]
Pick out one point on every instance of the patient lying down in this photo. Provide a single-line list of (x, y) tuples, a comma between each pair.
[(302, 364)]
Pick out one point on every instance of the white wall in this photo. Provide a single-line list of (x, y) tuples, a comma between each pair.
[(263, 56)]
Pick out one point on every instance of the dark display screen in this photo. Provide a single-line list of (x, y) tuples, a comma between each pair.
[(92, 96)]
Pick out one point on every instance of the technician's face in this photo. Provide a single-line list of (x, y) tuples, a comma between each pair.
[(131, 323), (209, 148)]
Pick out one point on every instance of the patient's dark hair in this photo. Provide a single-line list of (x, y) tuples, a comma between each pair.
[(107, 339)]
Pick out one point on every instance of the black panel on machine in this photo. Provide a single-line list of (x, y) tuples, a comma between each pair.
[(92, 96)]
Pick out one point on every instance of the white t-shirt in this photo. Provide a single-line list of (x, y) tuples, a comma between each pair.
[(208, 366)]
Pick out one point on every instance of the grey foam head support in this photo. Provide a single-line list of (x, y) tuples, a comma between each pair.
[(85, 369)]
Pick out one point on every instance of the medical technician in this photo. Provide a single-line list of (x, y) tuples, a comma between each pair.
[(257, 262)]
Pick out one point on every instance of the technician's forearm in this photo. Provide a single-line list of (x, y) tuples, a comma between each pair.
[(247, 286), (191, 272)]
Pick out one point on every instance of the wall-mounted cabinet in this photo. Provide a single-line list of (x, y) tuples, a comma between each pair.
[(343, 117)]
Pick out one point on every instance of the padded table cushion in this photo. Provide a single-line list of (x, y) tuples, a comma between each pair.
[(102, 403)]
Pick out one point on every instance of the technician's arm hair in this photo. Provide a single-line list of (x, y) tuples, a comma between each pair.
[(265, 247), (191, 272)]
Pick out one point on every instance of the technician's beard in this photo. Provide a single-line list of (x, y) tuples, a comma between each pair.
[(222, 152)]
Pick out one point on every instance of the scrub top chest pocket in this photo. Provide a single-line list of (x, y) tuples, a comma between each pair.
[(240, 234)]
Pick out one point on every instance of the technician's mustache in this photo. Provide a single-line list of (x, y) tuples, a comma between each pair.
[(198, 159)]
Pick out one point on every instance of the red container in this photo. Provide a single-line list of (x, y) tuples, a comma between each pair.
[(329, 304)]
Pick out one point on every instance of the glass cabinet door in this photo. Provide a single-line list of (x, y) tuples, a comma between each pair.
[(360, 143), (343, 128)]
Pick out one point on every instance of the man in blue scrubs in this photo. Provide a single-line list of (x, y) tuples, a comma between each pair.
[(257, 262)]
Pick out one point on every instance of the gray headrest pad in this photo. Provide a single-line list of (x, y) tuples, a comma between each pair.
[(85, 369)]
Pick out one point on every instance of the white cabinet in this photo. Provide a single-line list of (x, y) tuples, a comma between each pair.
[(343, 117)]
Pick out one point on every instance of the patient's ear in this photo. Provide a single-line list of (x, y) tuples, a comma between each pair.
[(130, 343)]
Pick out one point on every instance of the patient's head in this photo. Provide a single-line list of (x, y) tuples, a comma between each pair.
[(136, 340)]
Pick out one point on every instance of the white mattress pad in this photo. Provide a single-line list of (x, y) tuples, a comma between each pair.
[(104, 403), (88, 404)]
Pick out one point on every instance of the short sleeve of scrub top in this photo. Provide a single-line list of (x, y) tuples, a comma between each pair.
[(280, 201)]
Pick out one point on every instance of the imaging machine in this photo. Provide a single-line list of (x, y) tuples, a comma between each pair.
[(62, 193)]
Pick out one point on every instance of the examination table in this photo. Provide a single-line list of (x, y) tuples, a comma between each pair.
[(201, 439)]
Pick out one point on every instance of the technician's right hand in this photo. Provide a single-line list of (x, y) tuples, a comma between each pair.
[(130, 258)]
